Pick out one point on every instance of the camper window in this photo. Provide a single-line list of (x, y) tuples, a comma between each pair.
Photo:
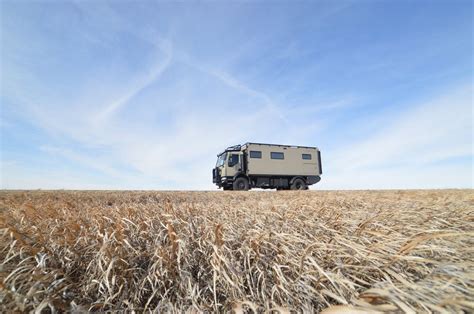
[(255, 154), (275, 155)]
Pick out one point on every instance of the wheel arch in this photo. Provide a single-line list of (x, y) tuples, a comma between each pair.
[(297, 177), (240, 175)]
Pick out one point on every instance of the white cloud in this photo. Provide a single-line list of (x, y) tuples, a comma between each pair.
[(178, 156), (17, 175), (410, 150), (407, 177), (407, 151)]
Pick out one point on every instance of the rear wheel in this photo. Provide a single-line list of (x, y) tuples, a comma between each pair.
[(298, 184), (241, 184)]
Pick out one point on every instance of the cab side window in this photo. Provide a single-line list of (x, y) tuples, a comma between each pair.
[(233, 160)]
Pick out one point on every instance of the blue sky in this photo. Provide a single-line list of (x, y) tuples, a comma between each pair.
[(143, 95)]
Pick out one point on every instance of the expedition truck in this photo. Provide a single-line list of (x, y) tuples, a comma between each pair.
[(267, 166)]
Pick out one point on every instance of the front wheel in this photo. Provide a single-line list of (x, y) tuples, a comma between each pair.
[(298, 184), (241, 184)]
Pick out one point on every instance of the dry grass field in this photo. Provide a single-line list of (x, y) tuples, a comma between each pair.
[(337, 252)]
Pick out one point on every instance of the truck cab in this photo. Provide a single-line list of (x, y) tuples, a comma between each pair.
[(230, 164)]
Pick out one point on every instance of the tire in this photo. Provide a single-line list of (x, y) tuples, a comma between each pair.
[(241, 184), (298, 184)]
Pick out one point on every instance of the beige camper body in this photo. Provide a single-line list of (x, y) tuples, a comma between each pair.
[(251, 165), (291, 164)]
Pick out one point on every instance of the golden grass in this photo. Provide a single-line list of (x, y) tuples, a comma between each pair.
[(358, 251)]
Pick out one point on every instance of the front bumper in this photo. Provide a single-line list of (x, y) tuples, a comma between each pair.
[(220, 181)]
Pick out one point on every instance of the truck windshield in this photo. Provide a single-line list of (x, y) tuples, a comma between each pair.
[(221, 159)]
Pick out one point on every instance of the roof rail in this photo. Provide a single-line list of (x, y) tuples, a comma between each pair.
[(279, 145), (233, 148)]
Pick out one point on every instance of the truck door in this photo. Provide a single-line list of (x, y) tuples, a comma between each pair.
[(234, 164)]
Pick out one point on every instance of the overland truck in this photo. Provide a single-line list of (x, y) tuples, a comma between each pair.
[(267, 166)]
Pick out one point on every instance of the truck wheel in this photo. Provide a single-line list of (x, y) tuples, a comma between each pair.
[(241, 184), (298, 184)]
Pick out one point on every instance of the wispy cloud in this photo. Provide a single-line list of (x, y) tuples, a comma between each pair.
[(92, 163), (142, 82), (411, 148)]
